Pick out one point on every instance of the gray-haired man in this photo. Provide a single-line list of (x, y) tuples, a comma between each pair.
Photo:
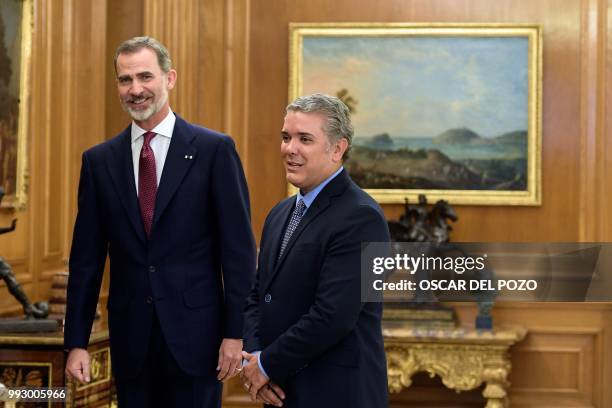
[(311, 341)]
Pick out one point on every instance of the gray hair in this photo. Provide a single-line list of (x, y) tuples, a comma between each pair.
[(138, 43), (338, 116)]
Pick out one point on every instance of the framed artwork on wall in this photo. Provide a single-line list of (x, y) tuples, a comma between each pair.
[(15, 53), (452, 111)]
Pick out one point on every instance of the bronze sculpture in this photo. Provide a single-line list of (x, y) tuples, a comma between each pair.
[(38, 310), (418, 224), (432, 229)]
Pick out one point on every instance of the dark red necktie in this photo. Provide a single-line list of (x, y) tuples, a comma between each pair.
[(147, 182)]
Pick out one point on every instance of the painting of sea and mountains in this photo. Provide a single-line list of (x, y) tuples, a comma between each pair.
[(430, 112)]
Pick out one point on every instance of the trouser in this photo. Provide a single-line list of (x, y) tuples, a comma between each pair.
[(163, 384)]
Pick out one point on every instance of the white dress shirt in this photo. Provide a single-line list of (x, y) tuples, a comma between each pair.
[(160, 144)]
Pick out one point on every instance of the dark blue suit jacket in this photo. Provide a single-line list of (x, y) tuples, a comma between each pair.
[(197, 267), (318, 340)]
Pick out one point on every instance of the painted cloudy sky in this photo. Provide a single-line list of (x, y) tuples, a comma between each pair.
[(422, 86)]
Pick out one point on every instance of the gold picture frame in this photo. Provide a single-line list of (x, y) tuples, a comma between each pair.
[(14, 144), (486, 76)]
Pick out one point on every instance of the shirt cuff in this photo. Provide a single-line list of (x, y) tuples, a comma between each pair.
[(260, 366)]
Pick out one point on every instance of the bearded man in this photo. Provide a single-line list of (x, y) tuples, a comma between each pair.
[(167, 202)]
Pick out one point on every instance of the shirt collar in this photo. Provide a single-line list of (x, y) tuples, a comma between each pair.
[(309, 197), (163, 128)]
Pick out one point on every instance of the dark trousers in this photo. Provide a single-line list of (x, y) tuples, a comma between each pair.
[(162, 383)]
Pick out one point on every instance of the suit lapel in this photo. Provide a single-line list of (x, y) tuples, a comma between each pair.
[(180, 157), (121, 169), (279, 231), (319, 205)]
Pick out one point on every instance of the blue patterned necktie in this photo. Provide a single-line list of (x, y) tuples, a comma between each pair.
[(296, 217)]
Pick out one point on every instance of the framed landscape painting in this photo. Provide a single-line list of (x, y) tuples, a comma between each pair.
[(15, 51), (452, 111)]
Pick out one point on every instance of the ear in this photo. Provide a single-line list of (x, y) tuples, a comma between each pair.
[(171, 76), (339, 149)]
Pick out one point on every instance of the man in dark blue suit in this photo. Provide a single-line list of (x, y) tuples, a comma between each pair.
[(167, 201), (312, 342)]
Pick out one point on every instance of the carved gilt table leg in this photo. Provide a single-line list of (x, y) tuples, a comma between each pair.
[(401, 365), (495, 376)]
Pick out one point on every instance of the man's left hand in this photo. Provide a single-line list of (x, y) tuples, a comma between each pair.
[(230, 359), (252, 376)]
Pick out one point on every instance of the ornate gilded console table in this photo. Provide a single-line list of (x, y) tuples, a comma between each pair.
[(37, 360), (463, 358)]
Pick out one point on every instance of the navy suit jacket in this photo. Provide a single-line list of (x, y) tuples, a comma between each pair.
[(194, 271), (319, 342)]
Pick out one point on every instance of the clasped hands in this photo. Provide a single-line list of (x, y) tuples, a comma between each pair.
[(258, 385)]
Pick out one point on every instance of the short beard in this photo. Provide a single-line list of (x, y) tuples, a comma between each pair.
[(143, 115)]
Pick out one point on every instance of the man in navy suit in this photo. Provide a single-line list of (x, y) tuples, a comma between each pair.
[(167, 201), (312, 342)]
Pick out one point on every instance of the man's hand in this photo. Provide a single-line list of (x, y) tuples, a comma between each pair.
[(252, 376), (230, 359), (77, 365), (271, 394)]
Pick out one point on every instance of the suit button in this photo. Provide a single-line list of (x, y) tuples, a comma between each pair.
[(268, 298), (149, 299), (151, 269)]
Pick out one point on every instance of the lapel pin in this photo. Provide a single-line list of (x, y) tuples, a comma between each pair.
[(188, 157)]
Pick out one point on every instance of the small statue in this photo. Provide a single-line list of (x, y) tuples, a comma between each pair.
[(431, 227), (418, 224), (439, 229), (485, 300), (484, 320), (416, 217), (38, 310)]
